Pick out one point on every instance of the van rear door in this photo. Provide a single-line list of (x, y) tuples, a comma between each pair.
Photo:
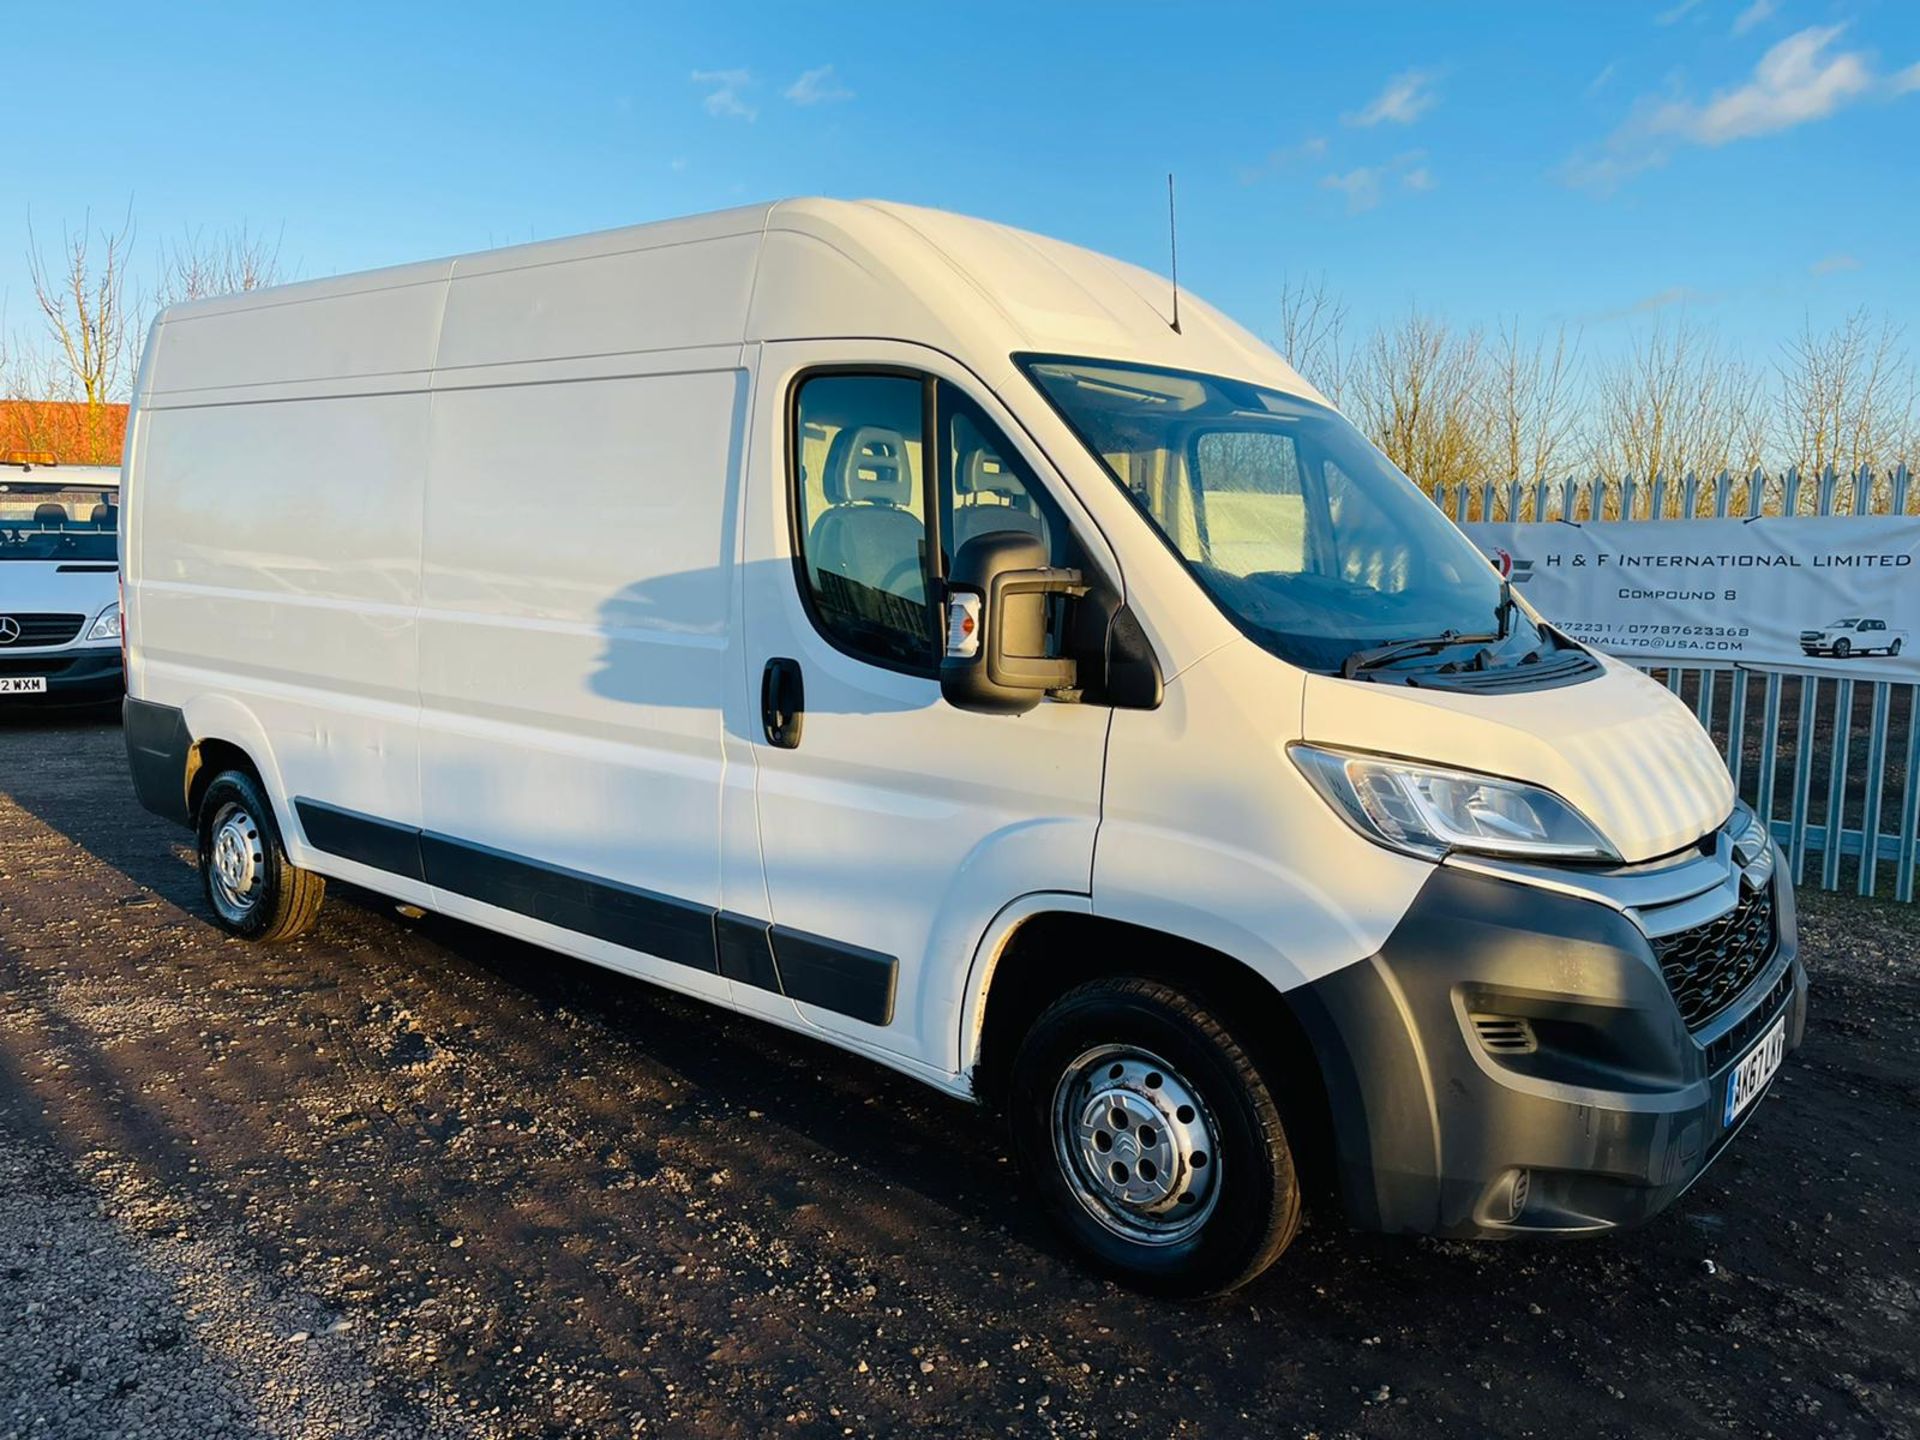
[(893, 827)]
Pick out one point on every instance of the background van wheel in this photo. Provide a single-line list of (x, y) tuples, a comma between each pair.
[(1152, 1139), (254, 890)]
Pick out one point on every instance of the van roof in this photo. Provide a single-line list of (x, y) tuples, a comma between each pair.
[(791, 269)]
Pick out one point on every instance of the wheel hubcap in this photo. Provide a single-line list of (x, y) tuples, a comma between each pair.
[(236, 862), (1136, 1145)]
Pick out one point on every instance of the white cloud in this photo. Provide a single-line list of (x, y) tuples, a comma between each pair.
[(1798, 80), (1759, 12), (1802, 79), (1599, 82), (1407, 97), (1678, 12), (1279, 161), (818, 87), (1365, 186), (1834, 265), (1680, 295), (723, 93), (1361, 187)]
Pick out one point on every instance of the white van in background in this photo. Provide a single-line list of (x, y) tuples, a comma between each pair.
[(59, 585), (890, 625)]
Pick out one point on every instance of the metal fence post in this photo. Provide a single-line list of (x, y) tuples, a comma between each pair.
[(1834, 832), (1876, 781)]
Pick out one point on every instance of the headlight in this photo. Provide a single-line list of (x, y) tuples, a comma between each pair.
[(1428, 811), (1753, 851), (107, 626)]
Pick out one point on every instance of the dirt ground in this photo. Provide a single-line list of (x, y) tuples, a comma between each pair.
[(406, 1178)]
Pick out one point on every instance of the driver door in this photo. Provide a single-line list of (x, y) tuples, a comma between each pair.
[(893, 827)]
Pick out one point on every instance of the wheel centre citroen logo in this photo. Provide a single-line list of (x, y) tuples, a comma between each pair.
[(9, 629)]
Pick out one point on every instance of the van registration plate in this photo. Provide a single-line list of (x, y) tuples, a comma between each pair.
[(1753, 1072), (23, 684)]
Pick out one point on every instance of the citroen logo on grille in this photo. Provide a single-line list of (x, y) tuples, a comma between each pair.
[(9, 629)]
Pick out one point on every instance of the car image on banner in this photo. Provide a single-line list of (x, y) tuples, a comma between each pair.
[(1726, 592), (1853, 635)]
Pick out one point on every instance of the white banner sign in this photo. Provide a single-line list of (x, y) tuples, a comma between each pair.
[(1839, 594)]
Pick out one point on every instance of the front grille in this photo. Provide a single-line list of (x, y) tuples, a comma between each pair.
[(38, 629), (1708, 966), (1751, 1024)]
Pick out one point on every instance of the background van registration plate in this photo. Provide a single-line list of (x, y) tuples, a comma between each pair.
[(23, 684), (1751, 1075)]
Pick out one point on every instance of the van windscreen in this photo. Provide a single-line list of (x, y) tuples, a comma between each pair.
[(1301, 531), (54, 522)]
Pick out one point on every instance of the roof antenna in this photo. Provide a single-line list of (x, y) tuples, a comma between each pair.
[(1173, 253)]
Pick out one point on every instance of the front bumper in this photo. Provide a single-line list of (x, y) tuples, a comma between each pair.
[(1616, 1110), (74, 677)]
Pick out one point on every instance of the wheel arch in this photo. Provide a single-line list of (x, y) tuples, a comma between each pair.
[(1043, 953), (227, 735)]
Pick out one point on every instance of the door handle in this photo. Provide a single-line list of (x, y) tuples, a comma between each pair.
[(783, 702)]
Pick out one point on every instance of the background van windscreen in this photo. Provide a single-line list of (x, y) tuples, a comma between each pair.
[(50, 522)]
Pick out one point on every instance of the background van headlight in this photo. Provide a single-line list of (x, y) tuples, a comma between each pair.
[(1426, 810), (106, 625)]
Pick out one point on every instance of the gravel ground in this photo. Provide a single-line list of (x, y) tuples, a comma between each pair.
[(410, 1179)]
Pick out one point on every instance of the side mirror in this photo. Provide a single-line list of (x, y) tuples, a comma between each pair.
[(999, 626)]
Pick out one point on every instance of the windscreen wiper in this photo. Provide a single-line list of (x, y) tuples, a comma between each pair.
[(1361, 661)]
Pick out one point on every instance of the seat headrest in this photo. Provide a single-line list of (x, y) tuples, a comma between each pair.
[(985, 473), (870, 463), (50, 515)]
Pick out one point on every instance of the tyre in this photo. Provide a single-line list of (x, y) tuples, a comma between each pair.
[(1894, 649), (1152, 1139), (1842, 648), (255, 892)]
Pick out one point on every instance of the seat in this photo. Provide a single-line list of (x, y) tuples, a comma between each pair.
[(50, 515), (867, 534), (989, 497)]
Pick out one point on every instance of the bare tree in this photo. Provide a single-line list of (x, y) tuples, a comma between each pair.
[(1530, 405), (200, 266), (1418, 390), (1674, 404), (1312, 336), (1847, 397), (83, 301)]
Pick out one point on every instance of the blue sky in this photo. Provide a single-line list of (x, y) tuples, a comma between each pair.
[(1597, 163)]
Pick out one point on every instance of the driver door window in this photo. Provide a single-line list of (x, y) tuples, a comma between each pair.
[(860, 511), (872, 559)]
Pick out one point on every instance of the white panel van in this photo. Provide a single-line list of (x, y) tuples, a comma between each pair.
[(890, 625)]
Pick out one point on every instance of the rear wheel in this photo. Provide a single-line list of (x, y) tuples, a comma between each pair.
[(254, 890), (1894, 649), (1152, 1138)]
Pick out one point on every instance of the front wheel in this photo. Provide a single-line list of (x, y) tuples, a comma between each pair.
[(254, 890), (1894, 649), (1153, 1139), (1842, 649)]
